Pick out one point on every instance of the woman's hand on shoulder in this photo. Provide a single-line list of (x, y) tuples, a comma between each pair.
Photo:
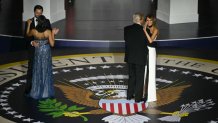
[(145, 30), (29, 21), (55, 31)]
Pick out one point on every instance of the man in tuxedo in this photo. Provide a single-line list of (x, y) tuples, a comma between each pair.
[(136, 57), (31, 44)]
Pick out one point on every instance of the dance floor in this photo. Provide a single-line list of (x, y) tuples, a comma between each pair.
[(90, 86), (90, 77)]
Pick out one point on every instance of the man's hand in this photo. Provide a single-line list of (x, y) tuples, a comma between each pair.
[(35, 44)]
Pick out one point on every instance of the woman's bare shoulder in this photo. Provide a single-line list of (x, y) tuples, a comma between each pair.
[(33, 30), (155, 29), (48, 31)]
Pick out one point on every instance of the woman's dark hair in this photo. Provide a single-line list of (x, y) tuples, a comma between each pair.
[(38, 7), (42, 24)]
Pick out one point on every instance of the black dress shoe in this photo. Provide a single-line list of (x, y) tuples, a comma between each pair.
[(144, 99), (141, 100), (129, 98), (137, 101)]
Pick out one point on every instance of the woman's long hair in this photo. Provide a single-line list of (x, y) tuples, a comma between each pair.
[(150, 16), (154, 20), (42, 24)]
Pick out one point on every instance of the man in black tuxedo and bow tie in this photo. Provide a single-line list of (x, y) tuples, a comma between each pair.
[(136, 57), (31, 44)]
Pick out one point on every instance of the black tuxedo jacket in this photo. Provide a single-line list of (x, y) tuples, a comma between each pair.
[(136, 50)]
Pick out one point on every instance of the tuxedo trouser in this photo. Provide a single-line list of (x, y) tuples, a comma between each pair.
[(136, 81), (28, 86)]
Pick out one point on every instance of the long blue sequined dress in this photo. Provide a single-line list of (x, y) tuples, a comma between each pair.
[(42, 76)]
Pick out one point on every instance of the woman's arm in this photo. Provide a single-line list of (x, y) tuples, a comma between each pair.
[(51, 36), (28, 31), (152, 37)]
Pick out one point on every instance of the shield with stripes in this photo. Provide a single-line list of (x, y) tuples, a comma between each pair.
[(122, 106)]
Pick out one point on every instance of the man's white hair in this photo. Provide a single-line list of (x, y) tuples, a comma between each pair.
[(137, 17)]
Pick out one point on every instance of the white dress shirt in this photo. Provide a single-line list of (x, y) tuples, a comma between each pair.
[(35, 22)]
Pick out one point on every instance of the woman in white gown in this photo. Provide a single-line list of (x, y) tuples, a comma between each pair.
[(151, 32)]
